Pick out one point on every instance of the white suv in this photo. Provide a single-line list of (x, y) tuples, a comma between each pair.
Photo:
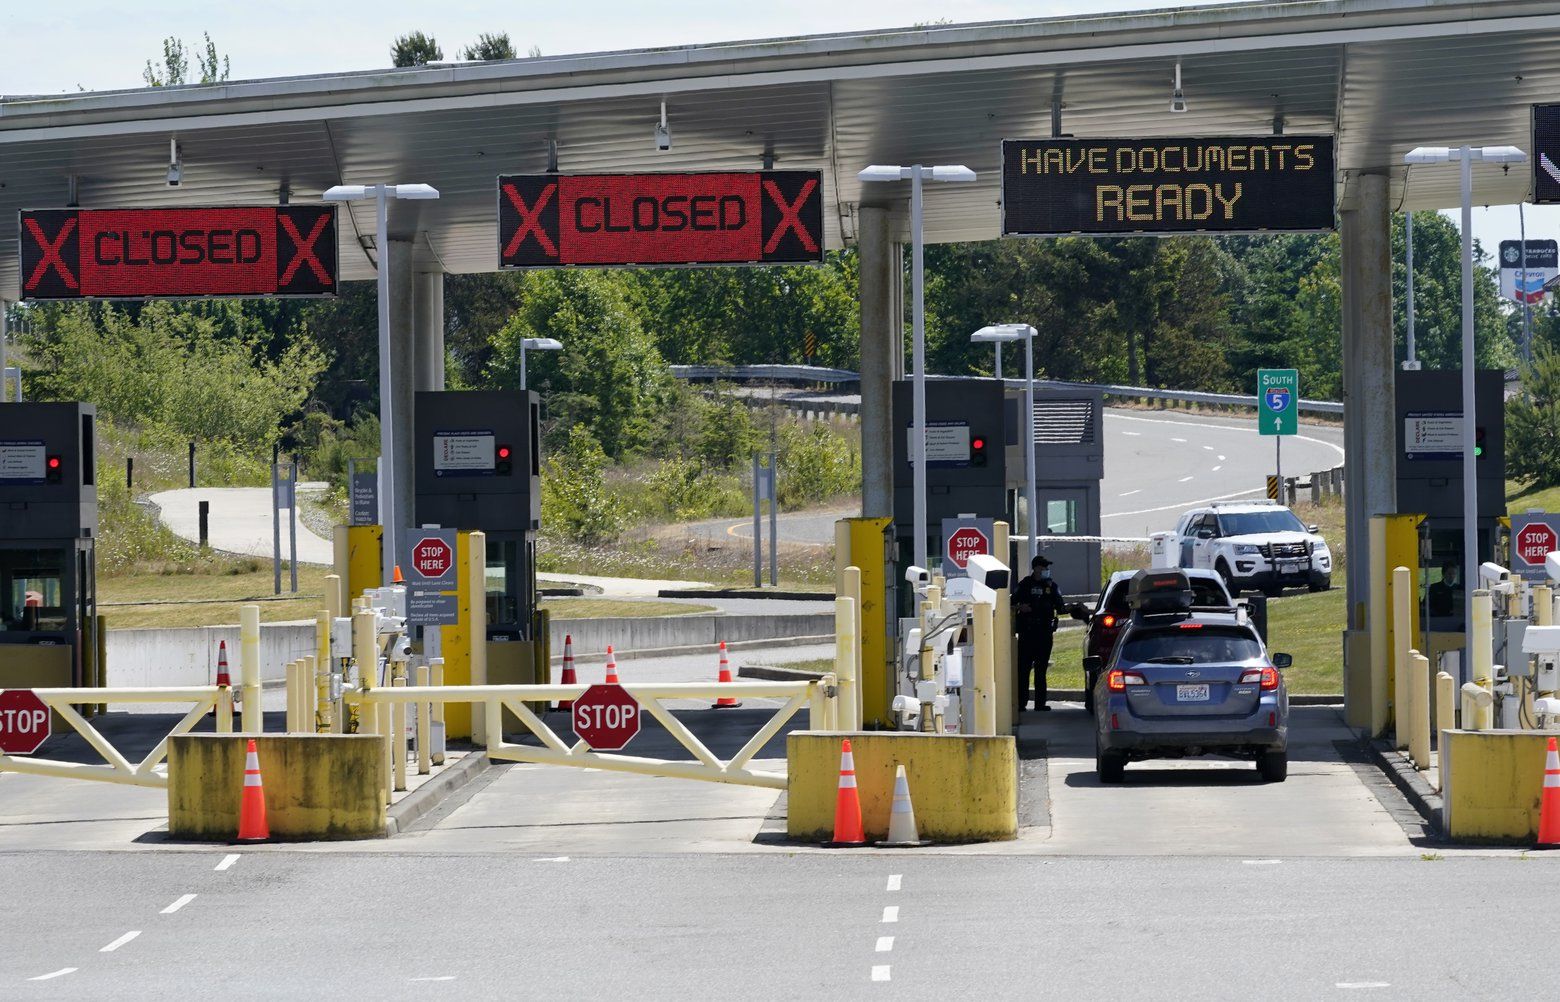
[(1255, 544)]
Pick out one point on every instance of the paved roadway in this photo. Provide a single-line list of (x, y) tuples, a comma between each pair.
[(1157, 465)]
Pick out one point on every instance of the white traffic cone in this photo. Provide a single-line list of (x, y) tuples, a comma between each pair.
[(901, 819)]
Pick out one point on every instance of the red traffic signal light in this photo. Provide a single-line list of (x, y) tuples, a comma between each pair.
[(54, 468), (978, 450), (505, 464)]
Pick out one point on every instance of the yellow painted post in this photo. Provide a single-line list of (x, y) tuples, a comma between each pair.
[(1543, 605), (324, 712), (841, 554), (818, 704), (333, 596), (424, 725), (290, 690), (493, 724), (365, 652), (1402, 634), (249, 667), (845, 659), (1445, 717), (1002, 624), (1376, 620), (1419, 709), (322, 620), (1478, 705), (985, 672), (436, 677), (853, 592), (225, 710), (398, 729), (477, 566), (1481, 641), (310, 709)]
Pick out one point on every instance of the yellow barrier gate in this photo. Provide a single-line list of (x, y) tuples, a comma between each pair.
[(819, 696), (118, 769)]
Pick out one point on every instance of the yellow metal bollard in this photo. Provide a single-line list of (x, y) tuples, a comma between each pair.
[(1419, 710), (1002, 624), (853, 592), (290, 690), (224, 710), (493, 724), (324, 711), (1445, 716), (985, 671), (1478, 705), (1402, 641), (398, 728), (436, 677), (477, 565), (1481, 641), (845, 659), (333, 603), (1543, 605), (1377, 612), (424, 725), (322, 620), (249, 668), (365, 652)]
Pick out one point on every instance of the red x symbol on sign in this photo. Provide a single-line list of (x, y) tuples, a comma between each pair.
[(530, 220), (51, 253), (306, 253), (789, 216)]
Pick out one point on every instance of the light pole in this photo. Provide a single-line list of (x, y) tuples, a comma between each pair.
[(381, 194), (916, 174), (1464, 156), (535, 344), (997, 334)]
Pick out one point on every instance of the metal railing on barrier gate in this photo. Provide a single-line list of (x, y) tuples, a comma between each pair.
[(820, 696), (118, 769)]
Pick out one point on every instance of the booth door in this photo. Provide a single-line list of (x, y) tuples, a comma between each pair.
[(1070, 511)]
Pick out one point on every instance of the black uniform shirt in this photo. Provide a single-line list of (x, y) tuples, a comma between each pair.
[(1044, 601)]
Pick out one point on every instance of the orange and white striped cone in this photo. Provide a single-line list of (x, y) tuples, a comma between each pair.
[(224, 678), (569, 678), (252, 826), (1549, 804), (612, 675), (847, 805), (725, 702)]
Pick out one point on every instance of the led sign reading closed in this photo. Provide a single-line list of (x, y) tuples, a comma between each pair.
[(752, 217), (287, 250), (1224, 185)]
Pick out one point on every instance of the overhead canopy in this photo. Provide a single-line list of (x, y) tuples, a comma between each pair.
[(1383, 75)]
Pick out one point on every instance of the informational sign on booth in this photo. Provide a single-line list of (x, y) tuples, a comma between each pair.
[(365, 498), (429, 567), (1533, 537), (947, 443), (1433, 435), (467, 453), (22, 462)]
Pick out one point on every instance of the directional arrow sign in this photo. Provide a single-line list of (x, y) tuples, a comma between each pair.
[(1278, 401)]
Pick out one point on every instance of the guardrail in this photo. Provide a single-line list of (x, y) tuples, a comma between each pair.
[(771, 373), (1183, 396), (821, 697)]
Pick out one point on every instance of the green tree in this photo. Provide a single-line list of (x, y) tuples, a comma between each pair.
[(488, 47), (176, 65), (1533, 422), (1438, 298), (415, 49), (575, 500)]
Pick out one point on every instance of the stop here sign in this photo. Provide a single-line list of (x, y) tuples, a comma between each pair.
[(964, 543), (1533, 537), (606, 717), (432, 557), (24, 722)]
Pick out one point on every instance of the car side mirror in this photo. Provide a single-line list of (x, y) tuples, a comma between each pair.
[(1282, 661), (1313, 530), (1204, 533)]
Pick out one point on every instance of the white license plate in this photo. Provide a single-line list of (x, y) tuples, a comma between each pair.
[(1288, 567), (1191, 693)]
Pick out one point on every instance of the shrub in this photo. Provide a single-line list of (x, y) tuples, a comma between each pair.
[(576, 503)]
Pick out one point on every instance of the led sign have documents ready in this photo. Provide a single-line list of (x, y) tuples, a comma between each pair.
[(274, 250), (1099, 187), (746, 217)]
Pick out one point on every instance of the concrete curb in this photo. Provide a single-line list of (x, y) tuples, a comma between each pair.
[(1416, 789), (422, 801), (769, 673), (774, 594), (662, 652)]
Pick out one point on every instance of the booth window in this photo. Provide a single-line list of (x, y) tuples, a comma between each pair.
[(1061, 517), (503, 573), (39, 573)]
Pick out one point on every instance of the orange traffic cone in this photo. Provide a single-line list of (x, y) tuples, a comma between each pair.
[(612, 675), (567, 705), (1549, 805), (251, 815), (847, 807), (725, 702), (223, 677), (396, 577)]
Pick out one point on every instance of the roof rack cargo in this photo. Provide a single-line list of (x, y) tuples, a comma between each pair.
[(1231, 504), (1159, 591)]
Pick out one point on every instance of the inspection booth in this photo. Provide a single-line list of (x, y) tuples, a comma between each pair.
[(50, 635), (1070, 466)]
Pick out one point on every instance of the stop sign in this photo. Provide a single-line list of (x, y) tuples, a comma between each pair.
[(1534, 542), (24, 722), (606, 717), (964, 542), (432, 557)]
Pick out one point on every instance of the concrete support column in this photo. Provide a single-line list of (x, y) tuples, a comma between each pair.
[(882, 354), (1370, 468), (403, 373), (428, 327)]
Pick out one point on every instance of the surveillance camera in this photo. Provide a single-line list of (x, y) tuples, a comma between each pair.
[(918, 575), (987, 570), (1552, 566), (1493, 573), (969, 591), (1178, 103), (175, 174), (663, 137)]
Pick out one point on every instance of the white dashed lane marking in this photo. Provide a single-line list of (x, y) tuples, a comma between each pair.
[(1363, 984), (890, 913), (1185, 479), (885, 944), (227, 861), (893, 882), (183, 900), (121, 941), (880, 972), (54, 974)]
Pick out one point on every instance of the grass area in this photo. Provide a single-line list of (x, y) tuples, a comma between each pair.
[(716, 558), (602, 608), (1519, 501), (210, 596)]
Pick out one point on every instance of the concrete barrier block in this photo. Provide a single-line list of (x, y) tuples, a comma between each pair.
[(317, 786), (1491, 783), (963, 788)]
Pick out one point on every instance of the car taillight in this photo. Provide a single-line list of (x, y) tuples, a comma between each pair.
[(1191, 626), (1107, 620), (1266, 676), (1118, 680)]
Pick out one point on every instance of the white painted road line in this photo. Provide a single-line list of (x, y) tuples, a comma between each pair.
[(442, 977), (54, 974), (1221, 459), (885, 944), (1128, 494), (1181, 440), (121, 941), (890, 913), (1134, 434), (227, 861), (551, 859), (1184, 479), (1363, 984), (893, 882), (183, 900), (880, 972), (1261, 862), (1208, 447), (1216, 469)]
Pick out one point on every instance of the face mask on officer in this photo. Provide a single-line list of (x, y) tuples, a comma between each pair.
[(1045, 573)]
